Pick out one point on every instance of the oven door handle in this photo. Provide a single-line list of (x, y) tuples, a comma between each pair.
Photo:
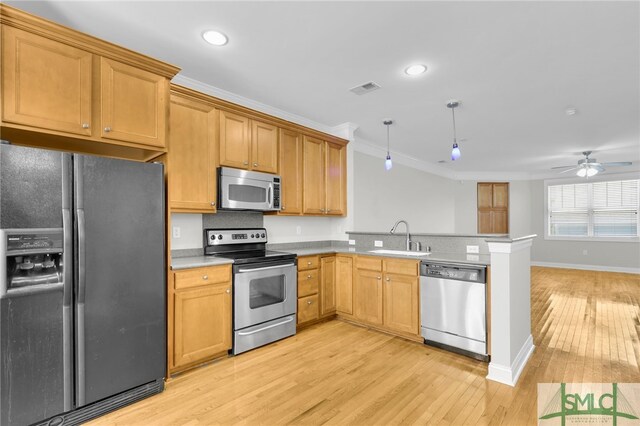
[(247, 333), (266, 268)]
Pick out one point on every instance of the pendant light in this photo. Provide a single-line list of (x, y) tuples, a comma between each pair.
[(455, 151), (387, 162)]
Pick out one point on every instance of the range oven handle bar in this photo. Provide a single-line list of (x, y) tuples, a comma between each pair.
[(266, 268), (248, 333)]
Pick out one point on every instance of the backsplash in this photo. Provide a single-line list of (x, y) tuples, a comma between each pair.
[(438, 243), (233, 219)]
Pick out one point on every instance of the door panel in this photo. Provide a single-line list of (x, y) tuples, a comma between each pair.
[(485, 195), (264, 147), (344, 284), (401, 303), (234, 140), (46, 84), (368, 296), (314, 176), (484, 222), (336, 178), (499, 222), (328, 288), (291, 171), (121, 288), (501, 195)]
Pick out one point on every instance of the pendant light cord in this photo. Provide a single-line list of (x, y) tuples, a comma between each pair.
[(453, 112), (387, 139)]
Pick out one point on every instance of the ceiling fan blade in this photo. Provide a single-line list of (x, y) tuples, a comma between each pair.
[(618, 163), (569, 170), (562, 167)]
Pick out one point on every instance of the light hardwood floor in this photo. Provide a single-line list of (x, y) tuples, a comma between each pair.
[(585, 328)]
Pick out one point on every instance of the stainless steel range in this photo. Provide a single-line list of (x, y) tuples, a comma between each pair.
[(264, 286)]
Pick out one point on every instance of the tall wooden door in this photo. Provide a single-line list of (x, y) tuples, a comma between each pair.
[(234, 140), (336, 172), (290, 172), (344, 284), (133, 104), (313, 176), (45, 84), (264, 147), (401, 312), (327, 285), (192, 155), (493, 207), (368, 296)]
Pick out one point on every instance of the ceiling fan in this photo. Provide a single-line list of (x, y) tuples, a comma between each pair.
[(588, 167)]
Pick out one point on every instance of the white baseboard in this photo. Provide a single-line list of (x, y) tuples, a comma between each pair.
[(510, 375), (587, 267)]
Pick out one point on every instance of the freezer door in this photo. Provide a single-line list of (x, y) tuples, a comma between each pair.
[(35, 319), (120, 289)]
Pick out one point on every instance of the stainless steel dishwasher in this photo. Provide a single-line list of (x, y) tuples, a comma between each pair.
[(453, 312)]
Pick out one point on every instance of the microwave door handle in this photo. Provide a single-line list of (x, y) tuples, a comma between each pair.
[(270, 195)]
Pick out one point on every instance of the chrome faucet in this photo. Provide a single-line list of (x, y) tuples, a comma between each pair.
[(417, 243)]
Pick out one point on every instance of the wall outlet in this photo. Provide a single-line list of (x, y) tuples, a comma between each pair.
[(473, 249), (298, 230), (352, 242), (377, 243), (585, 252), (176, 232)]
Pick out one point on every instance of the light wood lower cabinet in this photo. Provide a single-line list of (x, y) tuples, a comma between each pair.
[(200, 310), (401, 304), (344, 284), (328, 286), (308, 309), (368, 296)]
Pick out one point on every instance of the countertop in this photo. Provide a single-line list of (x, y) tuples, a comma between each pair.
[(197, 262)]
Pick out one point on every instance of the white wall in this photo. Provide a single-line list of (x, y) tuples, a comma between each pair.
[(466, 202), (190, 231)]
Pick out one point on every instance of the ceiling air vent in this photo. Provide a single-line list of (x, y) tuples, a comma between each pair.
[(365, 88)]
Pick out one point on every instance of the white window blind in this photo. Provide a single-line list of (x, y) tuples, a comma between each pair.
[(598, 209)]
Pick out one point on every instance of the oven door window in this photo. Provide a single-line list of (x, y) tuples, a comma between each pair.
[(267, 291), (247, 193)]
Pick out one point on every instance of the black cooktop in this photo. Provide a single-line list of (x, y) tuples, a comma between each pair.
[(255, 256)]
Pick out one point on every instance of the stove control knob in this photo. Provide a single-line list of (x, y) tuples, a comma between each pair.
[(262, 235), (213, 237), (252, 236), (220, 236)]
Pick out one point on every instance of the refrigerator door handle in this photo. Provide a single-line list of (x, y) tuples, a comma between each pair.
[(81, 278), (67, 291)]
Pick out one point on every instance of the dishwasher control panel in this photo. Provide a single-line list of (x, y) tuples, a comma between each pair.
[(454, 272)]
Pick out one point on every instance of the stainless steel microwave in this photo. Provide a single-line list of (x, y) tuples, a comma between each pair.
[(246, 190)]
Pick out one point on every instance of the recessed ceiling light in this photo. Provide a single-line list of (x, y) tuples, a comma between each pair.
[(415, 69), (215, 37)]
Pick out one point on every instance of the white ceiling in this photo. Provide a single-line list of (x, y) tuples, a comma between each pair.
[(515, 66)]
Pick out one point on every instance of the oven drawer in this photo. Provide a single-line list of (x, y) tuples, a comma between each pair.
[(308, 262), (307, 283), (308, 309), (202, 276), (261, 334)]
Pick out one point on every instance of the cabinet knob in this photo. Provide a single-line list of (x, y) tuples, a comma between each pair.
[(228, 291), (107, 129), (245, 163), (328, 210), (308, 277), (282, 208), (308, 302), (308, 263), (205, 277), (85, 125), (388, 279), (323, 211), (255, 164), (379, 278), (213, 204)]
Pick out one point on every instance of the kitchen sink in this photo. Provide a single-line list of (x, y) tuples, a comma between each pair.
[(401, 252)]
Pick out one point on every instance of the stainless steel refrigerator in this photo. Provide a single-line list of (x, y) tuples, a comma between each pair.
[(82, 284)]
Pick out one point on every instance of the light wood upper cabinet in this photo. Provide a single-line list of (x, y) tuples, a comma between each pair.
[(368, 296), (264, 147), (314, 184), (344, 284), (192, 155), (202, 323), (45, 84), (133, 104), (328, 285), (291, 171), (493, 208), (401, 308), (235, 138), (336, 175)]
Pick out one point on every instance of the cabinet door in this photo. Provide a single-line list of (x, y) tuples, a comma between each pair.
[(308, 309), (264, 147), (336, 173), (499, 222), (234, 140), (401, 303), (485, 195), (368, 296), (328, 285), (133, 104), (45, 84), (202, 323), (500, 195), (314, 176), (192, 156), (344, 284), (291, 171)]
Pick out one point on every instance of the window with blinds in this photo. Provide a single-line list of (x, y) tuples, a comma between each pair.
[(598, 209)]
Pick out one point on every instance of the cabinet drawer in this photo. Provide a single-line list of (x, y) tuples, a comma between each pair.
[(202, 276), (308, 262), (401, 266), (308, 309), (370, 263), (307, 282)]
